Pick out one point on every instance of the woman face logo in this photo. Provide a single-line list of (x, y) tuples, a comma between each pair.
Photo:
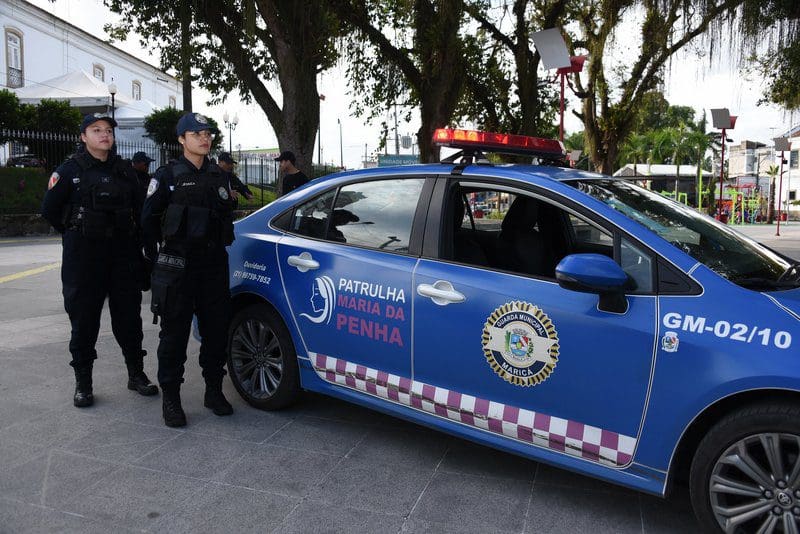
[(323, 300)]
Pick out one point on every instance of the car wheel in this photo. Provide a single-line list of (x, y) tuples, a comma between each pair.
[(261, 358), (745, 475)]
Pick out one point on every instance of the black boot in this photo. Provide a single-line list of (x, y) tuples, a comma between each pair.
[(172, 409), (83, 387), (215, 400), (137, 380)]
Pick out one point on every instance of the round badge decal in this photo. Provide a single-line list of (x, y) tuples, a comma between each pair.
[(223, 193), (520, 343)]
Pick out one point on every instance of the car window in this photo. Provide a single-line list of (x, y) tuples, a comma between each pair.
[(588, 234), (311, 219), (376, 214), (637, 265)]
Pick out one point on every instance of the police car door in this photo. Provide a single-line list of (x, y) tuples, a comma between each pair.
[(508, 350), (347, 274)]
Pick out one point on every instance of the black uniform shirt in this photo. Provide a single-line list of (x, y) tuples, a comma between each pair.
[(291, 182)]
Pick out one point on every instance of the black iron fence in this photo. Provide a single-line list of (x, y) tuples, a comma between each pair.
[(41, 152)]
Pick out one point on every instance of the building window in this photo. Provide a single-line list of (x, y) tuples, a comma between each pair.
[(172, 102), (99, 72), (793, 159), (14, 58), (136, 90)]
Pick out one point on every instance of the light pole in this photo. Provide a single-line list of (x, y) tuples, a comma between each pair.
[(112, 88), (723, 120), (231, 124), (782, 144), (319, 130), (576, 65), (341, 149)]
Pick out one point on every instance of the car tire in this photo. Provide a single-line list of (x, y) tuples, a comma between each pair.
[(261, 358), (745, 474)]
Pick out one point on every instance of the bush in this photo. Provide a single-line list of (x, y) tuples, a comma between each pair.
[(22, 189)]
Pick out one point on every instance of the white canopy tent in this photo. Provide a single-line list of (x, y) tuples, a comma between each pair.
[(81, 89)]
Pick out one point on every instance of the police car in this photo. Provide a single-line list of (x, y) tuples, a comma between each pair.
[(587, 323)]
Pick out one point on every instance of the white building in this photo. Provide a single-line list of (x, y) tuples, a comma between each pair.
[(46, 57)]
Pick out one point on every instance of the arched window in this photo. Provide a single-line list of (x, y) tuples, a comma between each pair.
[(14, 58), (99, 72), (136, 90)]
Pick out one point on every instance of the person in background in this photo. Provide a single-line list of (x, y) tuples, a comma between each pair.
[(227, 164), (94, 201), (141, 164), (292, 176)]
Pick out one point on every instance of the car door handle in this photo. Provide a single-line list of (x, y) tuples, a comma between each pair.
[(441, 293), (304, 262)]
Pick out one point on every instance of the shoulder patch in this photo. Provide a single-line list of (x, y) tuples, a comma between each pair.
[(152, 187), (53, 180)]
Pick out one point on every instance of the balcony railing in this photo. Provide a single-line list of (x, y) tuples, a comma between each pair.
[(15, 77)]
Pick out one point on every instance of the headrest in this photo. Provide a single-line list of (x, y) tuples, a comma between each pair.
[(522, 215)]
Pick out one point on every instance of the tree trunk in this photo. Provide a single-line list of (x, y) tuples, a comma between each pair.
[(186, 59), (771, 207)]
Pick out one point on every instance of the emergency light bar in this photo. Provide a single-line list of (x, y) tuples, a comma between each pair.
[(499, 142)]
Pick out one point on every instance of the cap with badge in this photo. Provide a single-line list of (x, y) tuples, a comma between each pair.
[(141, 157), (88, 120), (286, 155), (194, 122), (227, 158)]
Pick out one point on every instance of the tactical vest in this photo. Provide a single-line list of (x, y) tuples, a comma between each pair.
[(200, 209), (104, 203)]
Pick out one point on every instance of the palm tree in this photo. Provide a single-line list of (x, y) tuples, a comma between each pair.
[(698, 143), (680, 150), (635, 149), (773, 174)]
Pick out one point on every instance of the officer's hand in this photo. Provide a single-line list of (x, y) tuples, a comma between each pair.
[(234, 194)]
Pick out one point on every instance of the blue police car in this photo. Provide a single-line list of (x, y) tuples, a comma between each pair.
[(581, 321)]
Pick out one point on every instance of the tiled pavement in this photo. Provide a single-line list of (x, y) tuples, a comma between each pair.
[(322, 466)]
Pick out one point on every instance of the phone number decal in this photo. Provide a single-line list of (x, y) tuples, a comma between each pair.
[(246, 275), (742, 332)]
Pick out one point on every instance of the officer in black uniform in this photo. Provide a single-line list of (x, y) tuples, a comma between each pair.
[(227, 163), (94, 201), (141, 164), (188, 213)]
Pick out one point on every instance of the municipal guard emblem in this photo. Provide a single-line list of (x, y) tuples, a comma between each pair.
[(53, 180), (223, 193), (200, 118), (520, 343), (151, 188), (670, 342)]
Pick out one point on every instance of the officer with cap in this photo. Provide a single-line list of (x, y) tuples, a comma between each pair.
[(226, 163), (292, 176), (188, 213), (94, 201), (141, 164)]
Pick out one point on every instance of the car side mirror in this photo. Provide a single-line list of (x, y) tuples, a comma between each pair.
[(595, 273)]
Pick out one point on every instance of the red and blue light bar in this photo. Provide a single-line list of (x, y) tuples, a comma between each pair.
[(499, 142)]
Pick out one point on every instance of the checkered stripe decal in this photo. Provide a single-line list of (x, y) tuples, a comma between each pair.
[(570, 437)]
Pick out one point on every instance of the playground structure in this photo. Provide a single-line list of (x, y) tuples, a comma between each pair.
[(741, 203)]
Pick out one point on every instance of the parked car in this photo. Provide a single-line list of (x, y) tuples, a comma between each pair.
[(25, 160), (598, 326)]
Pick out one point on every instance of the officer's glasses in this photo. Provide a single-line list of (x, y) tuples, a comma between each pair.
[(205, 134)]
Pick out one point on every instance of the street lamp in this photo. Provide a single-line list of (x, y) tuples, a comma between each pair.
[(341, 150), (231, 124), (553, 51), (112, 88), (782, 144), (723, 120)]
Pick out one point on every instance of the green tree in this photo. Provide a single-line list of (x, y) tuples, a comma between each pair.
[(244, 45), (422, 65), (9, 112), (656, 113), (773, 172), (636, 149), (57, 116), (698, 144)]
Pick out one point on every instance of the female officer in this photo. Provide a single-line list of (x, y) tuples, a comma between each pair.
[(94, 202)]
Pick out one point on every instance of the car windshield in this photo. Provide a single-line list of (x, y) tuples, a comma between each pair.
[(730, 254)]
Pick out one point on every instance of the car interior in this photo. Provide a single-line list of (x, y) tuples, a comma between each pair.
[(521, 234)]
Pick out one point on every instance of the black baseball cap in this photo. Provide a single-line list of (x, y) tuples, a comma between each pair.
[(140, 157), (194, 122), (227, 158), (88, 120), (286, 155)]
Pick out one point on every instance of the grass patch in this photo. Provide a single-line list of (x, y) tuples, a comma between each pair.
[(22, 189)]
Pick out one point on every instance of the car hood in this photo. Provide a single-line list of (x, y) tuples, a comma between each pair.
[(789, 300)]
